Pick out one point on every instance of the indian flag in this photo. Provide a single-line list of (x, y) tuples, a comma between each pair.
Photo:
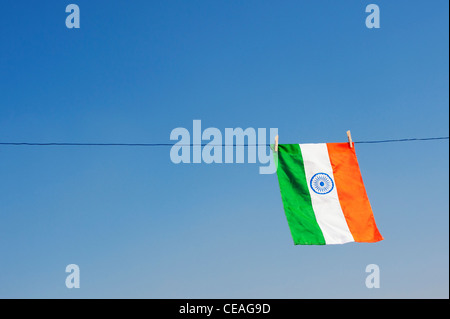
[(323, 194)]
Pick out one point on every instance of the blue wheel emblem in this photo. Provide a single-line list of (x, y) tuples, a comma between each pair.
[(321, 183)]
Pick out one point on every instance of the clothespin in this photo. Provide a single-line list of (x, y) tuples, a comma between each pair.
[(276, 143), (350, 141)]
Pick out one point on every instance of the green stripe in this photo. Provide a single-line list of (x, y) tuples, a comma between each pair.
[(295, 196)]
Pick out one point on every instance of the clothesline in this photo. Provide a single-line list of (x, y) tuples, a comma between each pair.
[(202, 144)]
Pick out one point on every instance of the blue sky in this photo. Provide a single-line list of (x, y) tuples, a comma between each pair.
[(140, 226)]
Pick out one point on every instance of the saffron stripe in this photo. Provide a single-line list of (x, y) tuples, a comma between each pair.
[(352, 193)]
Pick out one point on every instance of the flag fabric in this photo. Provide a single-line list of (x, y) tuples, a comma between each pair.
[(323, 194)]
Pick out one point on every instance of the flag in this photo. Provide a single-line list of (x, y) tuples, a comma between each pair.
[(323, 194)]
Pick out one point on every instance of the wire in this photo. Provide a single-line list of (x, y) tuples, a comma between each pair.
[(404, 140), (84, 144), (203, 144)]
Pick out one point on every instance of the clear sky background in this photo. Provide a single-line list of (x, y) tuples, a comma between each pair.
[(140, 226)]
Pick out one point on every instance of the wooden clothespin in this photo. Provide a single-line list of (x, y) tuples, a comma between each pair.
[(350, 141), (276, 143)]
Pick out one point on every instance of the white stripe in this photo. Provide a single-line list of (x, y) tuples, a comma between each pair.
[(327, 207)]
